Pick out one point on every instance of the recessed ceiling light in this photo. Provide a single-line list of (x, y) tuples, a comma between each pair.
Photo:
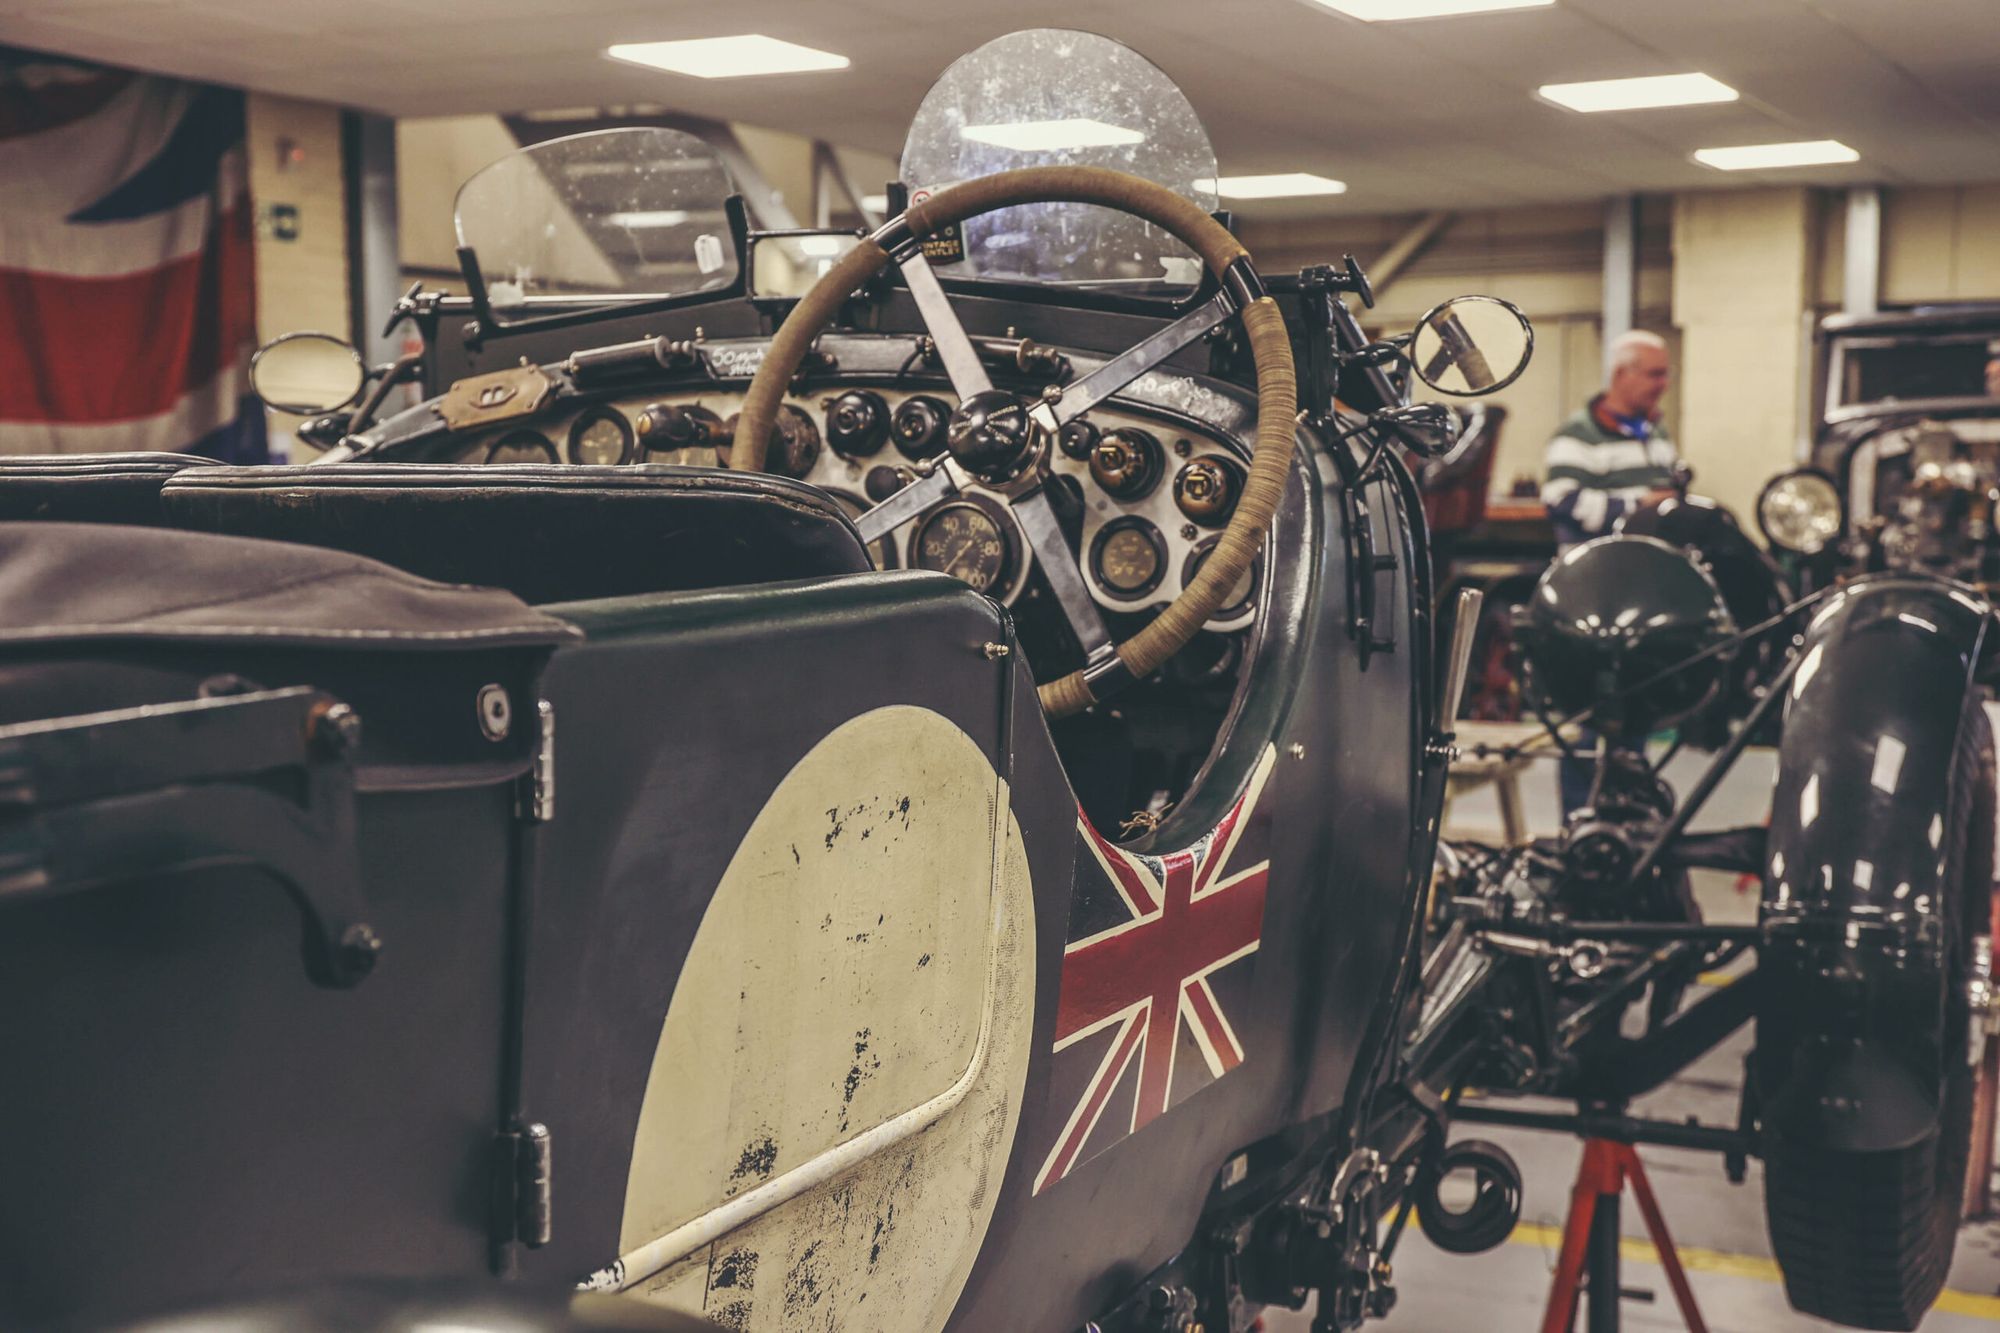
[(727, 57), (652, 217), (1281, 185), (1768, 156), (1035, 136), (1381, 11), (1638, 94)]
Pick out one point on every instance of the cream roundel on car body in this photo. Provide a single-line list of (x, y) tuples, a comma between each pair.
[(838, 1080)]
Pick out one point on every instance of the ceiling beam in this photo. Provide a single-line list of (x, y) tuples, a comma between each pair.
[(1407, 248)]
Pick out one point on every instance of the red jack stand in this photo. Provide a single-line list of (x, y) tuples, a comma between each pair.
[(1591, 1236)]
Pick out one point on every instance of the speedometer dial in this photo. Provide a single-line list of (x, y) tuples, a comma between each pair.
[(965, 541)]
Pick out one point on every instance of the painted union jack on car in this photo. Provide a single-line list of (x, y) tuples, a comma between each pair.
[(1159, 956)]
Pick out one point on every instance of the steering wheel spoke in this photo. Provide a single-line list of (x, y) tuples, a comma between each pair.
[(1077, 398), (961, 359), (906, 504), (1059, 567)]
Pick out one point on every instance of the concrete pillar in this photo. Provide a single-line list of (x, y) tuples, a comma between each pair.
[(1742, 264), (375, 266), (1621, 268), (1861, 284)]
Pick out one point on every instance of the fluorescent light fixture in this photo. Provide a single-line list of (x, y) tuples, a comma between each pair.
[(1038, 136), (659, 217), (1387, 11), (823, 246), (1282, 185), (1638, 94), (875, 203), (727, 57), (1772, 156)]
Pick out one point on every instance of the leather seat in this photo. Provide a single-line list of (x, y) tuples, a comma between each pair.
[(545, 533), (90, 488)]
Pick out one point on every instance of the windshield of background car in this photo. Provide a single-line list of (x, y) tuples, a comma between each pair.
[(1901, 370), (626, 214), (1047, 97)]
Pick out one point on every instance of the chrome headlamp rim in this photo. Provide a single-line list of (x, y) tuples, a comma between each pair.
[(1837, 509)]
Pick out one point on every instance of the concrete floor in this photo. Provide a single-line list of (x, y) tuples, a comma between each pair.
[(1718, 1227)]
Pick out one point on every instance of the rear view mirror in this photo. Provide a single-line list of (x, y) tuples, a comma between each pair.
[(1472, 345), (307, 373)]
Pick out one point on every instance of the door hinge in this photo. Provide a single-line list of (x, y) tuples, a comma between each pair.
[(522, 1175), (537, 800)]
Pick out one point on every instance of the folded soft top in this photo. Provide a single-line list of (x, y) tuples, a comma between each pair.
[(67, 582)]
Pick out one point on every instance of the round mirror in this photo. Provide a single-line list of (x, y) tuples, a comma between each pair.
[(1800, 512), (1472, 345), (307, 373)]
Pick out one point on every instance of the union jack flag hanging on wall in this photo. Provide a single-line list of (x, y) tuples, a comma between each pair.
[(1159, 959), (127, 307)]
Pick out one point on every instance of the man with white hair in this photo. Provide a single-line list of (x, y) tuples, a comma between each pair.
[(1612, 457)]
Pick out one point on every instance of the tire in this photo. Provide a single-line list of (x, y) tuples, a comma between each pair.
[(1865, 1239)]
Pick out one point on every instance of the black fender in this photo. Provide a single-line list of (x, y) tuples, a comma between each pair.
[(1851, 1044)]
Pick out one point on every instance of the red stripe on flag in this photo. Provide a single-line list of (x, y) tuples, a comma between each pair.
[(118, 348)]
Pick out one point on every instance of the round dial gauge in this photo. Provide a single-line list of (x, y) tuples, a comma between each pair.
[(1129, 558), (883, 550), (1238, 597), (965, 541), (600, 438), (522, 446)]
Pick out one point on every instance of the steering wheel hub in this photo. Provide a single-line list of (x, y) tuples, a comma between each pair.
[(992, 436)]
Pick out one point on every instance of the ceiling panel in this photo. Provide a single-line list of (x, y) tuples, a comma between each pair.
[(1413, 115)]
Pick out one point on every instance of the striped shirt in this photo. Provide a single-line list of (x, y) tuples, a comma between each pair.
[(1595, 473)]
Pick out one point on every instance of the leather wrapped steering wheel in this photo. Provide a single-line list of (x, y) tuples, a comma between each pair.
[(1002, 441)]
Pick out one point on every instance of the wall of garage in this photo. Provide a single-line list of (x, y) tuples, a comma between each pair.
[(1549, 261), (1734, 279), (298, 187)]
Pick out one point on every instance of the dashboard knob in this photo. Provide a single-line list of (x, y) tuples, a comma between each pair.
[(857, 423), (920, 427), (1078, 439), (1126, 463), (1206, 488), (664, 427), (883, 481)]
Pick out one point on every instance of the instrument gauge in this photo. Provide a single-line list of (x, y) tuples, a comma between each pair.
[(1239, 597), (919, 426), (666, 430), (1127, 463), (967, 541), (522, 446), (883, 550), (1129, 558), (1206, 490), (600, 438), (857, 423), (794, 446)]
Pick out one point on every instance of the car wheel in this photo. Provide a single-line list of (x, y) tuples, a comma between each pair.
[(1865, 1238)]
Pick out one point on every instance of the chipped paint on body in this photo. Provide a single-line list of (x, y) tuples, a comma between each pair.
[(870, 948)]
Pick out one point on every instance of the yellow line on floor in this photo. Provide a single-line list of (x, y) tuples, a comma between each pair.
[(1697, 1260)]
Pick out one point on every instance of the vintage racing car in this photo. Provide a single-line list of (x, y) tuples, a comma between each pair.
[(906, 807)]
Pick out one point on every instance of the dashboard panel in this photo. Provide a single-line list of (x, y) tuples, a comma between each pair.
[(1152, 491)]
